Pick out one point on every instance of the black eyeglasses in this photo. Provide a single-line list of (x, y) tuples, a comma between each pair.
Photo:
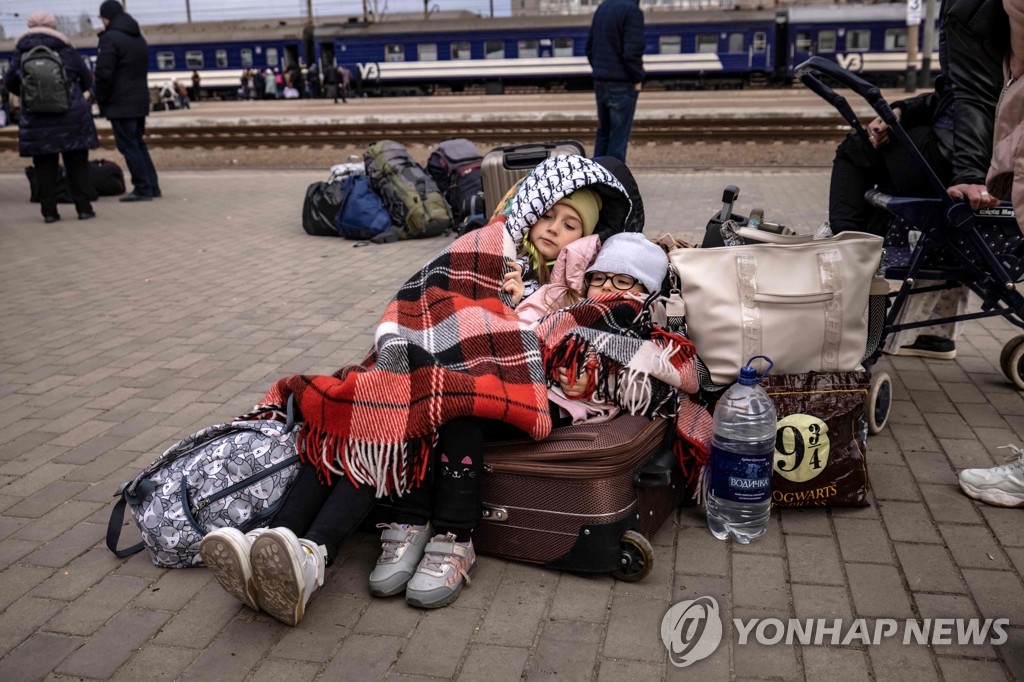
[(620, 282)]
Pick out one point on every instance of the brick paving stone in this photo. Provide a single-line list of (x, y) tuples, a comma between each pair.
[(821, 601), (86, 614), (928, 568), (513, 617), (814, 560), (966, 453), (634, 629), (861, 540), (113, 644), (700, 553), (388, 617), (877, 592), (275, 669), (835, 664), (45, 500), (972, 546), (907, 522), (37, 656), (24, 617), (976, 671), (60, 519), (13, 550), (566, 650), (914, 437), (999, 594), (173, 590), (769, 543), (439, 642), (202, 619), (806, 521), (893, 661), (582, 598), (905, 412), (930, 467), (952, 606), (1005, 524), (154, 661), (759, 582), (1012, 651), (893, 483), (635, 671), (73, 580), (364, 657), (948, 503), (237, 650), (328, 620), (67, 546), (489, 662), (758, 660)]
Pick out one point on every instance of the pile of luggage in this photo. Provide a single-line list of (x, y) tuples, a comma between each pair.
[(389, 196)]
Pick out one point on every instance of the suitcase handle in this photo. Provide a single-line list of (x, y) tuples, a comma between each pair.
[(527, 158)]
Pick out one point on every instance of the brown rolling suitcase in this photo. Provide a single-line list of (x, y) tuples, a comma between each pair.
[(502, 167), (585, 500)]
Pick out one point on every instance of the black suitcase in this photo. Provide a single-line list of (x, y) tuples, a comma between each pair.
[(503, 167), (586, 500)]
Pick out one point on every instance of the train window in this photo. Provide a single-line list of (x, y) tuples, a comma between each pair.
[(494, 49), (826, 41), (427, 52), (803, 41), (896, 39), (707, 42), (5, 65), (528, 49), (858, 40), (246, 55), (193, 59), (272, 56), (222, 58), (735, 42), (165, 61), (460, 49), (670, 44), (563, 47), (760, 41), (394, 53)]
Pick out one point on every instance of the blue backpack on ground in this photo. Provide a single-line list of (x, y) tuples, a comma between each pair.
[(362, 214)]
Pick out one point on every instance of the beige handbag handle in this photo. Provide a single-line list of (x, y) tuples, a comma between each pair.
[(796, 299), (765, 237)]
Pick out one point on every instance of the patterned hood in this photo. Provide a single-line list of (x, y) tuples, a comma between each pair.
[(557, 177)]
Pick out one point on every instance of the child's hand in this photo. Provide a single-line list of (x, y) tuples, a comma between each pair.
[(513, 284), (573, 388)]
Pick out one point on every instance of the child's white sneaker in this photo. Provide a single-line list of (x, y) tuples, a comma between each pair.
[(401, 548), (225, 551), (446, 566), (1001, 486), (286, 571)]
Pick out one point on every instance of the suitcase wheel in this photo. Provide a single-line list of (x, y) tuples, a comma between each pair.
[(637, 557)]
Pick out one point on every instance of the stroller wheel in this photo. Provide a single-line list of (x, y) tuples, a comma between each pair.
[(1011, 361), (637, 557), (879, 402)]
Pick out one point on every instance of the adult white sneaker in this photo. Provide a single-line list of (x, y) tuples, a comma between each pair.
[(446, 567), (1001, 486), (225, 551), (286, 570), (401, 548)]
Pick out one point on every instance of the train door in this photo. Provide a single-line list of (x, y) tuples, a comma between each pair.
[(327, 60), (783, 67), (759, 52), (545, 48), (291, 56)]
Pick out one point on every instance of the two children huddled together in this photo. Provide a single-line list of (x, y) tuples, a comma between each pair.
[(563, 245)]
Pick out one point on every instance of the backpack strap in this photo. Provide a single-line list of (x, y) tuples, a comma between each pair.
[(116, 523)]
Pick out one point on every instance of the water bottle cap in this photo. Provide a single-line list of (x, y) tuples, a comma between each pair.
[(749, 375)]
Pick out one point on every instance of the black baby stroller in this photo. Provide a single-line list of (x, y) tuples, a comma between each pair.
[(983, 251)]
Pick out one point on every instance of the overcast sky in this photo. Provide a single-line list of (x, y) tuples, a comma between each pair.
[(13, 13)]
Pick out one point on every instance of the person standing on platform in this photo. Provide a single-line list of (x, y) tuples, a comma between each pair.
[(46, 134), (122, 91), (615, 50), (195, 85)]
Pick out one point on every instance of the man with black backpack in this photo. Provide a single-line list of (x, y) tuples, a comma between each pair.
[(55, 119), (122, 90)]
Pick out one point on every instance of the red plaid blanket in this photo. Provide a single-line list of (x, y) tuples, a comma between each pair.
[(447, 346)]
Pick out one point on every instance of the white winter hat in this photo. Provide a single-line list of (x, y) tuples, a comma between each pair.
[(631, 253)]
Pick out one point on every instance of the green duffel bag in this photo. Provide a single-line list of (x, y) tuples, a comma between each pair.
[(411, 197)]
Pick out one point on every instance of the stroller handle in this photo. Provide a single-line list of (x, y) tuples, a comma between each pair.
[(808, 73)]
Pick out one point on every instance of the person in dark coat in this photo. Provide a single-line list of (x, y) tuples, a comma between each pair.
[(615, 50), (71, 134), (122, 91)]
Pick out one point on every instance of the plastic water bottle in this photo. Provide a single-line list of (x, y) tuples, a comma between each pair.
[(739, 497)]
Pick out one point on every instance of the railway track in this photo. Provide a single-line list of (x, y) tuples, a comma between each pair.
[(709, 129)]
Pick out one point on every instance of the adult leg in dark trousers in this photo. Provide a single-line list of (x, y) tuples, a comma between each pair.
[(46, 167), (129, 135), (325, 514), (77, 164), (616, 106)]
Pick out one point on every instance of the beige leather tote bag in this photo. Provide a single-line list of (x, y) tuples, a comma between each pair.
[(801, 302)]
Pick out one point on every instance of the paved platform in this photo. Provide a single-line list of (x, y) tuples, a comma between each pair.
[(121, 334)]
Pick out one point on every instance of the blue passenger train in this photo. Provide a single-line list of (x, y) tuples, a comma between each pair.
[(459, 51)]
